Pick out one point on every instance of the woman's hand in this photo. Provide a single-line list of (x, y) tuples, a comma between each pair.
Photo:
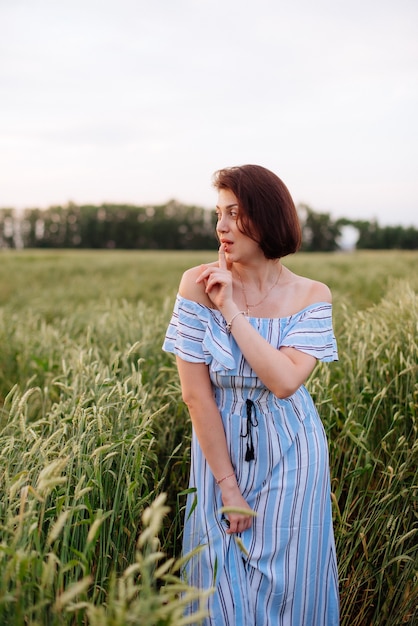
[(232, 498), (218, 281)]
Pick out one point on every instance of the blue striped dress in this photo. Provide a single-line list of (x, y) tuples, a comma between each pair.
[(283, 570)]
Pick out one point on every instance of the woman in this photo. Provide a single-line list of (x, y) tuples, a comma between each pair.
[(247, 333)]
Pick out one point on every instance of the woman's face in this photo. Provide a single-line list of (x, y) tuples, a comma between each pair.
[(237, 246)]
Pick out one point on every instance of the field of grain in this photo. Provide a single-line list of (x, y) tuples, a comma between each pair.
[(94, 438)]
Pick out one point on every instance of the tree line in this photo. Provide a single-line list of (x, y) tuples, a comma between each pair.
[(174, 226)]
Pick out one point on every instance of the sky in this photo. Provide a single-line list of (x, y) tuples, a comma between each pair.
[(133, 101)]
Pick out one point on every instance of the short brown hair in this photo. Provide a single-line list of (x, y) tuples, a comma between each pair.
[(267, 212)]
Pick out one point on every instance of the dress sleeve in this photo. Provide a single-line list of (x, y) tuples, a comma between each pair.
[(311, 331), (197, 334)]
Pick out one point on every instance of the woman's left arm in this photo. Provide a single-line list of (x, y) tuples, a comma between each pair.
[(282, 371)]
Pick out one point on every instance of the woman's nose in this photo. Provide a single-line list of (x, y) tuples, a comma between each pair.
[(222, 224)]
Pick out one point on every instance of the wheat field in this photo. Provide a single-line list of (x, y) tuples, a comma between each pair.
[(94, 438)]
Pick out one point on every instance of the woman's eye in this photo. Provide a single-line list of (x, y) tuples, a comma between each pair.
[(233, 214)]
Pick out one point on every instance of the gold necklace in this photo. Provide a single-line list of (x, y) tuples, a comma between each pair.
[(253, 306)]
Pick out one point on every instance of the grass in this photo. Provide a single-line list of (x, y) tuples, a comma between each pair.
[(93, 433), (369, 404), (54, 282)]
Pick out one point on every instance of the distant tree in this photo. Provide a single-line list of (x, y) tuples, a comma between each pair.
[(410, 238), (7, 228), (319, 232), (374, 237), (33, 228), (169, 226)]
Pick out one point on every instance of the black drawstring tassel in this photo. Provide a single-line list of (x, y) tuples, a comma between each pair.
[(249, 454)]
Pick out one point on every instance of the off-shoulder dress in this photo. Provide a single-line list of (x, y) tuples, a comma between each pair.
[(283, 570)]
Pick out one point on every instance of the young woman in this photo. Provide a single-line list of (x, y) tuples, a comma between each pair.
[(247, 332)]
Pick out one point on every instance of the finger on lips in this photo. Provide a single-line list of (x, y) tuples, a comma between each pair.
[(222, 259)]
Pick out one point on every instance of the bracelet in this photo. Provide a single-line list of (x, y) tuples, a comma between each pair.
[(218, 482), (229, 324)]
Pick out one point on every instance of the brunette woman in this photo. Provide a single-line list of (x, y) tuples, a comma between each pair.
[(247, 333)]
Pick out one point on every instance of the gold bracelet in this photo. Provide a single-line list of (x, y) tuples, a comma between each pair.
[(218, 482), (229, 324)]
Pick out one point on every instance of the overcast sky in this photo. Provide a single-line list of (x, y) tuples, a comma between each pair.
[(140, 101)]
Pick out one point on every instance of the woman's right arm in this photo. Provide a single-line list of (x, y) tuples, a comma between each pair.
[(207, 423)]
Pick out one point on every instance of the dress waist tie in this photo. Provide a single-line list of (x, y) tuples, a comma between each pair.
[(251, 422)]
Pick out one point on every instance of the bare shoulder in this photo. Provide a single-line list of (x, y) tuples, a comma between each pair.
[(318, 292), (305, 291), (191, 290)]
